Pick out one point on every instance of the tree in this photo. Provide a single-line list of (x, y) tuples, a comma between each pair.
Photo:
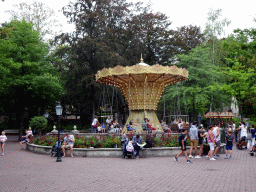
[(27, 79), (39, 14), (214, 29), (188, 37), (238, 69), (108, 33), (194, 94)]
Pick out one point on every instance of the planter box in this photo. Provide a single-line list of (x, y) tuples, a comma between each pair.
[(113, 152)]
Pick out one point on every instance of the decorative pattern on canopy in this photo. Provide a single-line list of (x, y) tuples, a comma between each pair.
[(225, 114), (141, 85)]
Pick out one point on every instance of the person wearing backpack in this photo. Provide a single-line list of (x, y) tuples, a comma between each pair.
[(128, 148), (182, 143)]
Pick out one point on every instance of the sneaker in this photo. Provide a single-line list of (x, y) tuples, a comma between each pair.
[(2, 154), (176, 159), (206, 156), (226, 157), (212, 159), (190, 156), (197, 157), (215, 156), (137, 157), (188, 161), (230, 157)]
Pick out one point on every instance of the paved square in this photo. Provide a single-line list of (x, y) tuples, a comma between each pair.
[(21, 170)]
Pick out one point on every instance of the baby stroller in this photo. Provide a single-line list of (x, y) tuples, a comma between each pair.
[(129, 150), (242, 144), (55, 148)]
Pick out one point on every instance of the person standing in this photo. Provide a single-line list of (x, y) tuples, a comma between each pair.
[(108, 122), (211, 141), (3, 139), (229, 144), (94, 124), (182, 143), (252, 141), (193, 133), (243, 130), (216, 132), (201, 141)]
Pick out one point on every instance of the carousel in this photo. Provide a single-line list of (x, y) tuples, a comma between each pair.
[(224, 118), (142, 86)]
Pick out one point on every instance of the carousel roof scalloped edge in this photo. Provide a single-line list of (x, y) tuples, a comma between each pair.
[(139, 69)]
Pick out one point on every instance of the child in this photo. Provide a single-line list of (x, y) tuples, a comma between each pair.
[(3, 138), (229, 144), (103, 127), (29, 132), (182, 142), (99, 128)]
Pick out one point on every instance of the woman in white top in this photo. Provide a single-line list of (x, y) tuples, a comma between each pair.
[(243, 129)]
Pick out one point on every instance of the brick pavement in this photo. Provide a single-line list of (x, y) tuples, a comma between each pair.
[(21, 170)]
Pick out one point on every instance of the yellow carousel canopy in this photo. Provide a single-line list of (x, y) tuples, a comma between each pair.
[(142, 84)]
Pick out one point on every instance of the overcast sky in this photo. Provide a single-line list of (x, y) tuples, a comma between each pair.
[(180, 12)]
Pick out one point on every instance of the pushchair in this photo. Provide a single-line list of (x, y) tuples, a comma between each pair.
[(55, 148), (242, 144)]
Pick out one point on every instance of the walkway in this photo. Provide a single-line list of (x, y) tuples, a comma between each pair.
[(21, 170)]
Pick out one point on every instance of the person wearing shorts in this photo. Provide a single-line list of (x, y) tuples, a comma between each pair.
[(201, 140), (24, 139), (68, 143), (193, 133), (3, 139), (229, 144), (211, 141), (182, 142), (216, 132)]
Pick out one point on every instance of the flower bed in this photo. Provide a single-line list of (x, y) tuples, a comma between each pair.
[(110, 141)]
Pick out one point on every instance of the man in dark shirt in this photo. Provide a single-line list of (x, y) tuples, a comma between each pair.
[(137, 139), (182, 142)]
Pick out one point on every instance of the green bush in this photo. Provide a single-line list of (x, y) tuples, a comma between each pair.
[(38, 123)]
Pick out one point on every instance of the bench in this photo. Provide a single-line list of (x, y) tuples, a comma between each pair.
[(12, 131)]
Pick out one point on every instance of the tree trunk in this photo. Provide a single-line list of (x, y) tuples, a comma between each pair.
[(21, 121)]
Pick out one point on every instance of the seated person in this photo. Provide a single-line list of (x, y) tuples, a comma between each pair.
[(129, 128), (24, 139), (148, 142), (103, 127), (68, 142), (99, 128), (137, 140), (166, 128), (124, 140), (128, 147), (150, 126), (29, 132), (144, 125)]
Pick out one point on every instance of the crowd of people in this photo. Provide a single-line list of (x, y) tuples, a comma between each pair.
[(198, 137), (111, 124)]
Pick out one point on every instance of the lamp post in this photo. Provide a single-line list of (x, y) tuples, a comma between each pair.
[(199, 120), (59, 113), (46, 114)]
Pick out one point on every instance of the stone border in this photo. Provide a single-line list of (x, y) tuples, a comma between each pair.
[(113, 152)]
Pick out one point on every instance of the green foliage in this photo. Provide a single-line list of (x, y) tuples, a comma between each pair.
[(194, 95), (27, 78), (38, 123)]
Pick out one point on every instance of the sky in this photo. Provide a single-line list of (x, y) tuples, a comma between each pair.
[(180, 12)]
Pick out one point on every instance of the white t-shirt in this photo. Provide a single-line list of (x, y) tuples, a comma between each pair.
[(3, 138), (215, 132), (29, 133), (243, 131), (99, 128), (108, 121), (95, 120), (67, 140), (234, 127)]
